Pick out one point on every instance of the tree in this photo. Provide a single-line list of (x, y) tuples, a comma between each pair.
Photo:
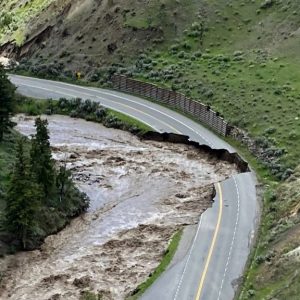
[(23, 198), (63, 182), (7, 101), (42, 164)]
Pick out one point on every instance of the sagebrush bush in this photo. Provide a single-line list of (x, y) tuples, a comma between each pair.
[(78, 108)]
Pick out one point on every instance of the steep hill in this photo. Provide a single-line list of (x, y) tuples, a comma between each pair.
[(240, 57), (90, 32), (98, 32)]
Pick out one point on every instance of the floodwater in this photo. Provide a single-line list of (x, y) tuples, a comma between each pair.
[(141, 193)]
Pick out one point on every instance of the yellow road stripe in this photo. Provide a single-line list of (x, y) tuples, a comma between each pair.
[(212, 246)]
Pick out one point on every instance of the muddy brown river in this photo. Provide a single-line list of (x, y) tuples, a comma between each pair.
[(141, 193)]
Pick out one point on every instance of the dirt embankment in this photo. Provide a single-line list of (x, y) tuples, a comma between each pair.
[(141, 193), (72, 31)]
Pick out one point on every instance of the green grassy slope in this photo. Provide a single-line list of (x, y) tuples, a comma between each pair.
[(15, 17), (130, 26), (243, 67), (274, 271)]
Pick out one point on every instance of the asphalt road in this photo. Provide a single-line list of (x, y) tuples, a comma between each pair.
[(212, 255)]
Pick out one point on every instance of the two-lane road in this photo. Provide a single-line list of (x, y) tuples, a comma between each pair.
[(209, 267), (212, 255)]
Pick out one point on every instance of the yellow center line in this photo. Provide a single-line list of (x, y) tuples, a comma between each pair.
[(212, 246), (122, 104), (203, 276)]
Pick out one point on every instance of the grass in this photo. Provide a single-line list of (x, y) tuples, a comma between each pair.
[(284, 271), (254, 88), (36, 107), (161, 268), (284, 282), (31, 107), (247, 97), (19, 37), (262, 172), (131, 121), (21, 14), (157, 13)]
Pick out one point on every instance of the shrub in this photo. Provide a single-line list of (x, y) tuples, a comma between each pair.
[(222, 58), (286, 174), (5, 20), (262, 142), (112, 121), (238, 53), (101, 113), (198, 53), (206, 92), (270, 130), (94, 77), (174, 49), (278, 92), (267, 4), (206, 56), (260, 259), (181, 54), (250, 293), (33, 110)]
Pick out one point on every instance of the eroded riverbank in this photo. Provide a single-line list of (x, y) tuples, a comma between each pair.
[(141, 193)]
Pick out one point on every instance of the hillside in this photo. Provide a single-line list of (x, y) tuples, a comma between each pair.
[(240, 57), (90, 33)]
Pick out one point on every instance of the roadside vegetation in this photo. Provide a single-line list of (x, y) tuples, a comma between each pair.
[(273, 267), (84, 109)]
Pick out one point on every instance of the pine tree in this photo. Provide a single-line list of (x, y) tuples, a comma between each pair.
[(7, 100), (23, 199), (42, 163), (63, 182)]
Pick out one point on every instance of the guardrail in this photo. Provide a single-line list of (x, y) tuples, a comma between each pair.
[(198, 110)]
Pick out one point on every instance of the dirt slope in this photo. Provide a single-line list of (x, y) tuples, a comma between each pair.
[(91, 32)]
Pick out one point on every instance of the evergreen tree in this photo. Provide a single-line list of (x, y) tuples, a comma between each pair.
[(42, 164), (7, 100), (23, 199), (63, 182)]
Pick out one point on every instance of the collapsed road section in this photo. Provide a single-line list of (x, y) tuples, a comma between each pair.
[(141, 191)]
